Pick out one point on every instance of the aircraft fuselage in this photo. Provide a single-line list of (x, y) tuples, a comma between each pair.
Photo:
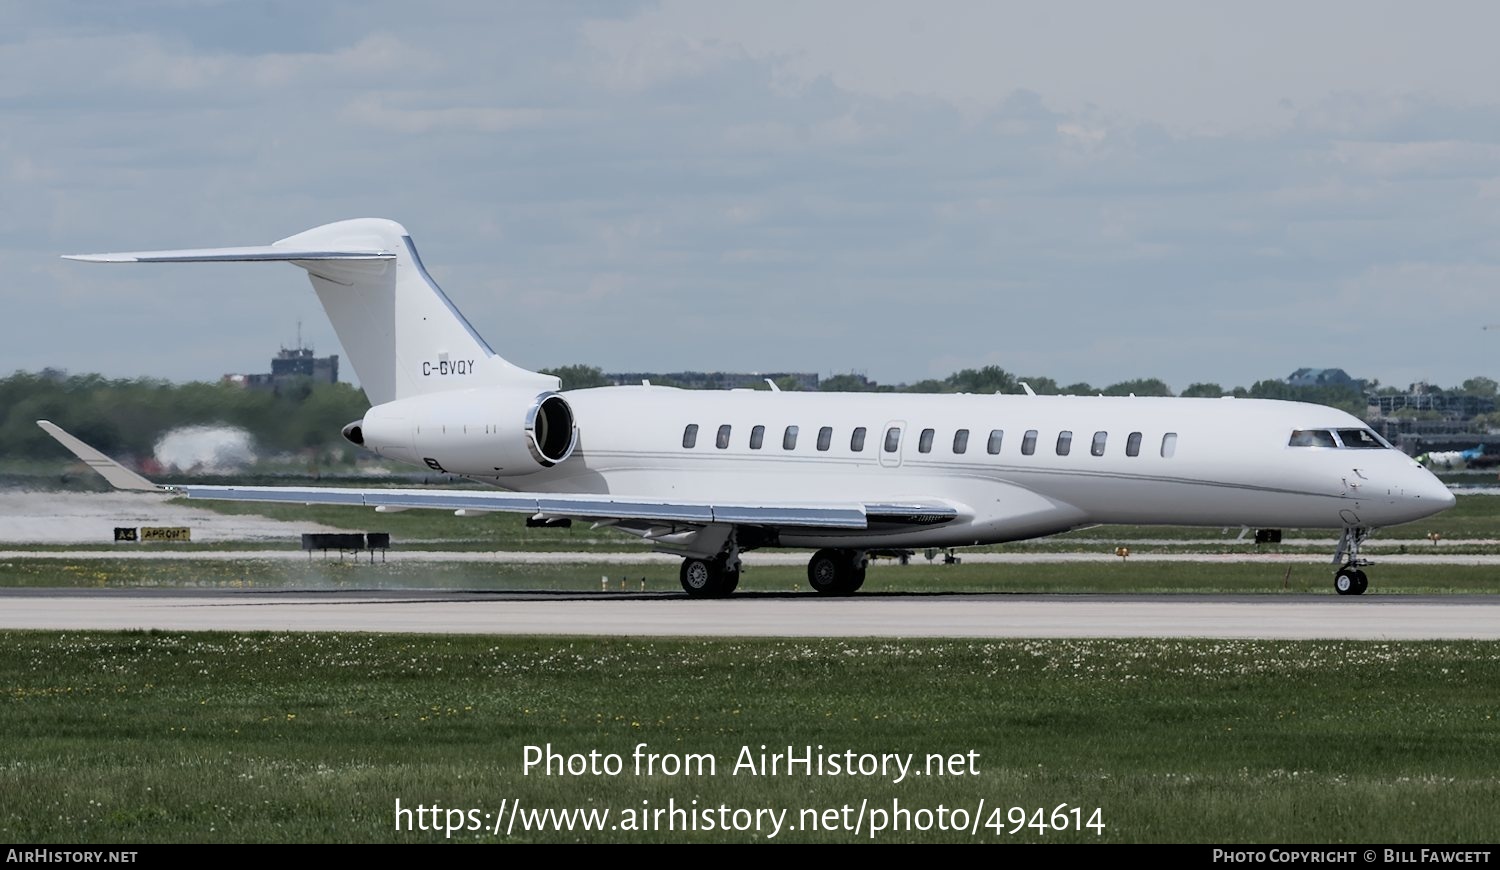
[(1017, 466)]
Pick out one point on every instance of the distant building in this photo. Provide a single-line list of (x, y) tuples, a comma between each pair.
[(289, 366), (717, 380), (1449, 406), (1323, 378), (300, 362)]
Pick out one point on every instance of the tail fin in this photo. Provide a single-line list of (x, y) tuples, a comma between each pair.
[(402, 334)]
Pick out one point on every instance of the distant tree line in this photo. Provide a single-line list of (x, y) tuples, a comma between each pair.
[(993, 379), (126, 417)]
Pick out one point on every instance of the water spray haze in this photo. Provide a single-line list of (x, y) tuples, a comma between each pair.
[(206, 448)]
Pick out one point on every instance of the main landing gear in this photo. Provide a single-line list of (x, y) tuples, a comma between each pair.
[(709, 578), (836, 572), (1350, 580), (830, 571)]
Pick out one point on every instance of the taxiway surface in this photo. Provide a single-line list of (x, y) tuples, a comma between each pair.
[(1371, 617)]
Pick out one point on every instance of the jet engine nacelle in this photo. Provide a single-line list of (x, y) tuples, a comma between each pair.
[(484, 432)]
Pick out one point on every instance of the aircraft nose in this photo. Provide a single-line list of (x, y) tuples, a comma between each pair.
[(1426, 491)]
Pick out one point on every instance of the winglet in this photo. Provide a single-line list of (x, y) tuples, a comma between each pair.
[(118, 475)]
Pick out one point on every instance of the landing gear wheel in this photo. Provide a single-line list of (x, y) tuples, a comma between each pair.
[(707, 578), (697, 576), (1350, 581), (834, 572), (824, 571)]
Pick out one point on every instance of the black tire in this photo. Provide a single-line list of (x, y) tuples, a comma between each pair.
[(826, 570), (1349, 581), (832, 572), (707, 578), (698, 577), (1361, 582)]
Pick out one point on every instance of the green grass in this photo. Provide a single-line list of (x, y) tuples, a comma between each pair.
[(138, 737), (1474, 517), (1128, 577)]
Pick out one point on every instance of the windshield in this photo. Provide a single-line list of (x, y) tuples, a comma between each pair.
[(1348, 439)]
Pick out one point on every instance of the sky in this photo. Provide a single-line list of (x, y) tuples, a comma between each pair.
[(1087, 191)]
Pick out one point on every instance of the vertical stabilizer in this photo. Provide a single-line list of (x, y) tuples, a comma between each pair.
[(401, 333)]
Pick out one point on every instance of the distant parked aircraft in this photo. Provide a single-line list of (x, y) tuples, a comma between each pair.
[(1451, 460)]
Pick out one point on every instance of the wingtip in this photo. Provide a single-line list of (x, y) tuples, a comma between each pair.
[(100, 258), (118, 475)]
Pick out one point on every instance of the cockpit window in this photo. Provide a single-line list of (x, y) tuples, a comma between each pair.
[(1362, 439), (1349, 439), (1312, 438)]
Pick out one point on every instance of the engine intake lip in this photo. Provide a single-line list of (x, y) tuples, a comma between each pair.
[(354, 433), (551, 432)]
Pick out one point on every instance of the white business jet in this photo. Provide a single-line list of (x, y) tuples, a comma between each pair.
[(710, 475)]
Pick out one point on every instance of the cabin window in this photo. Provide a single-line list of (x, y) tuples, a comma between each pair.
[(1028, 442), (789, 438), (1133, 444), (721, 440), (1312, 438), (1169, 445), (995, 437), (961, 441), (857, 440), (1362, 439), (825, 437), (690, 436), (924, 443), (1064, 442), (892, 439), (757, 437), (1097, 448)]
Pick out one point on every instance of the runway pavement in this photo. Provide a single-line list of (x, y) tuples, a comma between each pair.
[(1290, 616), (1423, 556)]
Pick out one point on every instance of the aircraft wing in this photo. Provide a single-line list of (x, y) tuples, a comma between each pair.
[(824, 515), (850, 514)]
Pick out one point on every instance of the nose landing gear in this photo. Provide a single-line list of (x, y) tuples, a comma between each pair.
[(1349, 579)]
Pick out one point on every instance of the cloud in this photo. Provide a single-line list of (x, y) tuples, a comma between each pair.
[(688, 186), (376, 110)]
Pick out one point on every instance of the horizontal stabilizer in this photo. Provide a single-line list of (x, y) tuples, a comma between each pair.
[(255, 253), (395, 324)]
